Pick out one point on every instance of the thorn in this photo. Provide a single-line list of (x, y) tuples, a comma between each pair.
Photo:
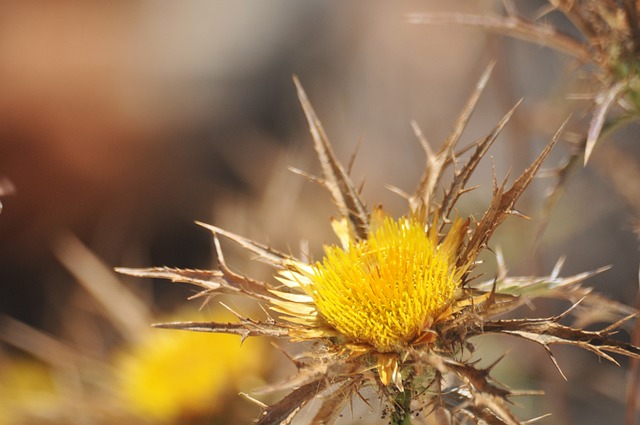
[(555, 362), (310, 177), (235, 313), (530, 421), (564, 314), (253, 400), (518, 214), (558, 266), (502, 266), (617, 324), (489, 368), (354, 154), (604, 101), (397, 191), (423, 141)]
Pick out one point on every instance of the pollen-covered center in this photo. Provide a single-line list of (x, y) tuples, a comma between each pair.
[(386, 290)]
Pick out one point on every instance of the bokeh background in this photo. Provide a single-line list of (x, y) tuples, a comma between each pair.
[(123, 122)]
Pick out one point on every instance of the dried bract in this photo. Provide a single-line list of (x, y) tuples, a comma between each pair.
[(393, 307)]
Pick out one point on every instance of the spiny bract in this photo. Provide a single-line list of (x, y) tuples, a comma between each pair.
[(395, 305)]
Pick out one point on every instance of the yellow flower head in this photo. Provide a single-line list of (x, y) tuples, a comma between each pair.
[(173, 375), (386, 290), (28, 392)]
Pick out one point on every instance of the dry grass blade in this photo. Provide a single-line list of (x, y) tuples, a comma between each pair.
[(39, 344), (336, 179), (70, 366), (123, 307), (512, 26)]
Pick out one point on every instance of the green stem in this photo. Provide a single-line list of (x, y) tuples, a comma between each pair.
[(402, 408)]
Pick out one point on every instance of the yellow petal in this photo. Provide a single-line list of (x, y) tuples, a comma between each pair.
[(388, 370), (296, 298), (342, 229)]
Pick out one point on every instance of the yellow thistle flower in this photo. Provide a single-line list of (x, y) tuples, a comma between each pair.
[(27, 393), (395, 304), (384, 292)]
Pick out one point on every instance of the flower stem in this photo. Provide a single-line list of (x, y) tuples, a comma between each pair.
[(402, 408)]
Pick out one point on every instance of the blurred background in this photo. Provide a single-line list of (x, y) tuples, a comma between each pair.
[(123, 122)]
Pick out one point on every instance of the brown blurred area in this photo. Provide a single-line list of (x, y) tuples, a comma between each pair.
[(123, 122)]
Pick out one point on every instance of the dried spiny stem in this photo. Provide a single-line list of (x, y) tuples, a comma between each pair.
[(394, 306)]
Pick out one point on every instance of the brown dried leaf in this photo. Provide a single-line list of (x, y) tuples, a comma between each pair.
[(592, 307), (334, 402), (486, 401), (310, 369), (245, 328), (548, 331), (541, 286), (336, 179), (282, 412), (265, 253), (493, 410), (461, 177), (459, 402), (212, 281), (477, 378), (223, 280), (207, 279), (502, 204)]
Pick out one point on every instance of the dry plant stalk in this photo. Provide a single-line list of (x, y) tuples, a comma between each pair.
[(610, 46), (394, 307)]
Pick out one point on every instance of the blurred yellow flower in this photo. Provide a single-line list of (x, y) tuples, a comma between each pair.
[(27, 390), (176, 374)]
